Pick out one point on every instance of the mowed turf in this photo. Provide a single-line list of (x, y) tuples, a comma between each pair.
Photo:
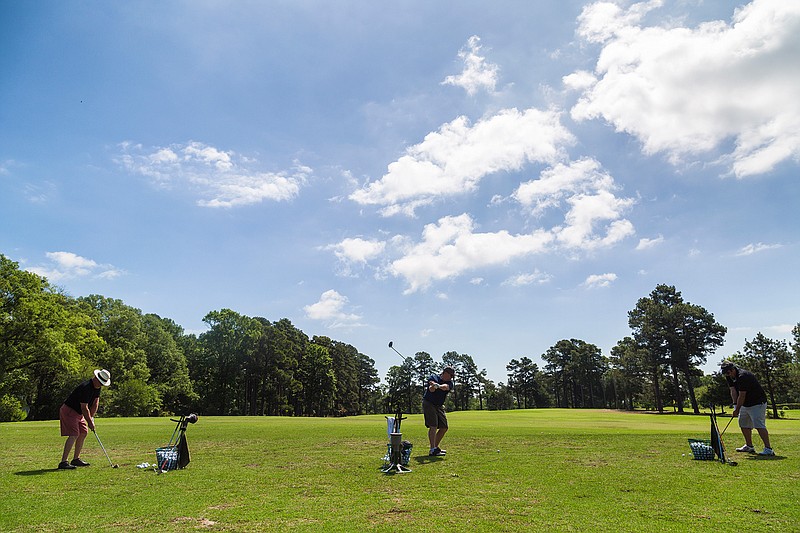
[(524, 470)]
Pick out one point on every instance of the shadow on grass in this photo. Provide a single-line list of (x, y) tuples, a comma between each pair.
[(36, 472), (757, 457), (425, 459)]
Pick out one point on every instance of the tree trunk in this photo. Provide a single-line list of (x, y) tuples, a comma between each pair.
[(677, 383), (657, 390), (688, 376)]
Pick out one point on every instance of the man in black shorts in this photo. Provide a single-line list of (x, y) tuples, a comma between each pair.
[(439, 385)]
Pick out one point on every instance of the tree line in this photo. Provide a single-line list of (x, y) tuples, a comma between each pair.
[(242, 365)]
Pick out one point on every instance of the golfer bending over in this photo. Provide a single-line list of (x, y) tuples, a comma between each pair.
[(76, 412), (750, 406), (433, 407)]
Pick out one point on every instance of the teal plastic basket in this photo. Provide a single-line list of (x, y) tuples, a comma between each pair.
[(167, 458)]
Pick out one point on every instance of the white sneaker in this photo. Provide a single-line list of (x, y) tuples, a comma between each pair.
[(746, 448), (767, 451)]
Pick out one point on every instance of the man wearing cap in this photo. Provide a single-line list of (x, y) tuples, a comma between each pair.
[(439, 385), (750, 406), (76, 413)]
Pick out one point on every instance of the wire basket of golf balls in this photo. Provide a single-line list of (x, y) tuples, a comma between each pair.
[(701, 449), (405, 453), (167, 458)]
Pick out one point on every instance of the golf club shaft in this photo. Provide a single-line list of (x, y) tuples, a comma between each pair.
[(395, 351), (102, 447), (726, 427)]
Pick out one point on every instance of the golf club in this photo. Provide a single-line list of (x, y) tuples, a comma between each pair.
[(726, 427), (395, 350), (113, 465)]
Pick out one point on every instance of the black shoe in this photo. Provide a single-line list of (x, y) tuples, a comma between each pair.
[(63, 465), (436, 452), (78, 462)]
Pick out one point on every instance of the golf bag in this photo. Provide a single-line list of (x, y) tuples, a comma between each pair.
[(706, 449), (716, 440), (176, 453)]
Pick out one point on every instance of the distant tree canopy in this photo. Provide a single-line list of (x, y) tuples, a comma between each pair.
[(50, 341)]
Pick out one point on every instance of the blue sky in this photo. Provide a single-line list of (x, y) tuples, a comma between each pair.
[(484, 177)]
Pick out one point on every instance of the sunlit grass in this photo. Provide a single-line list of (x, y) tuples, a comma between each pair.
[(563, 470)]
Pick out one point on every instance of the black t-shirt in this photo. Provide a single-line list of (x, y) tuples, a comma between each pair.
[(747, 382), (83, 393)]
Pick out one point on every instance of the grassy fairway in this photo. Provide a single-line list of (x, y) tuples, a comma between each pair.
[(550, 469)]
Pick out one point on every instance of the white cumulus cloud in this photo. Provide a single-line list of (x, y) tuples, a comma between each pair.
[(331, 309), (450, 247), (593, 205), (477, 73), (599, 280), (453, 160), (687, 91)]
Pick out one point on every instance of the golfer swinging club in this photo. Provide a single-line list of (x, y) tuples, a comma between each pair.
[(433, 408), (76, 413), (750, 406)]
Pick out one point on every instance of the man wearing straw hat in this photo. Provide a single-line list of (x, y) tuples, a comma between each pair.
[(77, 417)]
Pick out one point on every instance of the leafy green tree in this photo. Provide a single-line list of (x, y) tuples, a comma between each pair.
[(677, 335), (279, 379), (227, 344), (498, 397), (627, 370), (169, 372), (770, 361), (319, 380), (714, 390), (121, 327), (294, 346), (46, 342), (525, 383), (402, 393), (466, 376), (576, 368), (367, 384)]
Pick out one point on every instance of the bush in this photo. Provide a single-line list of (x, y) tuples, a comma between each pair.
[(11, 409)]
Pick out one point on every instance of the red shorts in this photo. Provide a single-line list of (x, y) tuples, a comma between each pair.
[(72, 422)]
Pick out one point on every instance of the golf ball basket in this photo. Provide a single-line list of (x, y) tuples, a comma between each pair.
[(175, 454), (701, 449), (705, 450)]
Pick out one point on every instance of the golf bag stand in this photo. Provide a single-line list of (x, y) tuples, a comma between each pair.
[(396, 447), (176, 453), (716, 440)]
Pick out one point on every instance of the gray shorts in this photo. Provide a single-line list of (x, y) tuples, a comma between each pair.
[(753, 417), (435, 416)]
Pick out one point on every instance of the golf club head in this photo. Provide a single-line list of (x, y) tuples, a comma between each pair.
[(390, 344)]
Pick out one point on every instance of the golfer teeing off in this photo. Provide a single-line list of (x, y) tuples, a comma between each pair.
[(76, 413), (433, 408)]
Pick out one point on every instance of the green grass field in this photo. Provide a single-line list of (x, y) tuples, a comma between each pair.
[(553, 469)]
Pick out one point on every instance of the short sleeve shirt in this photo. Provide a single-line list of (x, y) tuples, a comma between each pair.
[(438, 396), (83, 393), (747, 382)]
